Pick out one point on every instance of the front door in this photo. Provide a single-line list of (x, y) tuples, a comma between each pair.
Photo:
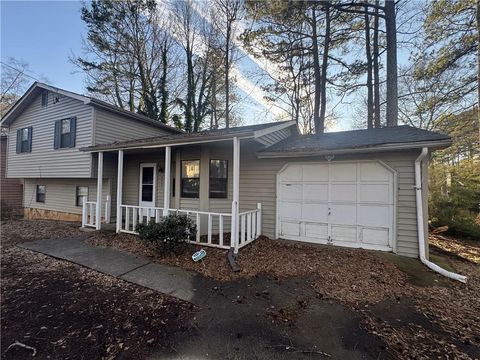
[(148, 185)]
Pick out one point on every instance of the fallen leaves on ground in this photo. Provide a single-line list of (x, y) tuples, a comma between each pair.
[(465, 249), (63, 310), (355, 277)]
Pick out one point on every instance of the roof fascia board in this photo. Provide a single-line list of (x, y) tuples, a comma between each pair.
[(401, 146), (165, 144)]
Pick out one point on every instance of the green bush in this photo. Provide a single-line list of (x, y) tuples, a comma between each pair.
[(171, 234)]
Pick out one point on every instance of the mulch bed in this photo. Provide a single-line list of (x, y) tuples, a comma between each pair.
[(64, 311), (356, 277)]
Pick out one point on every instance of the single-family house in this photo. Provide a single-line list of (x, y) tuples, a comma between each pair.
[(83, 159)]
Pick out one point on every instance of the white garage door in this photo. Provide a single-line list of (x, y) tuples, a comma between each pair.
[(346, 204)]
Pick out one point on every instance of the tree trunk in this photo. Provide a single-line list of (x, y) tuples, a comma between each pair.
[(369, 71), (376, 70), (392, 80), (326, 48), (227, 70), (478, 67), (319, 127), (163, 85)]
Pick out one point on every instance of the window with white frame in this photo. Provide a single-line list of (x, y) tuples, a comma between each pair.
[(81, 195)]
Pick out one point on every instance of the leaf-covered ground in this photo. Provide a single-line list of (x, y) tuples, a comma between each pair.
[(59, 308), (64, 311), (360, 279)]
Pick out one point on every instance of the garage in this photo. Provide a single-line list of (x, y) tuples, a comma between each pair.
[(341, 203)]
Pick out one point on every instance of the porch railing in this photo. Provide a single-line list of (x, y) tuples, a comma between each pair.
[(89, 213), (212, 227), (89, 217)]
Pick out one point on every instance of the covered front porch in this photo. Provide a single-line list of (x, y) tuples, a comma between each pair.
[(201, 181)]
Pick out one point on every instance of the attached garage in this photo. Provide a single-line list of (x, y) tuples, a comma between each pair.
[(341, 203)]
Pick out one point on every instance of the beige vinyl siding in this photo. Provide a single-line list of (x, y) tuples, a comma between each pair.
[(44, 160), (258, 179), (258, 184), (110, 127), (60, 194)]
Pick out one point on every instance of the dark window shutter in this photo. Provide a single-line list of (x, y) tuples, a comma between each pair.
[(56, 138), (73, 131), (30, 130), (19, 141)]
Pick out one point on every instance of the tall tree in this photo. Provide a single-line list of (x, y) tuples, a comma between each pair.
[(451, 51), (125, 54), (392, 74), (226, 19)]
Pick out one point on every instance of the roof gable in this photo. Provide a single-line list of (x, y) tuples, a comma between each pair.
[(37, 88)]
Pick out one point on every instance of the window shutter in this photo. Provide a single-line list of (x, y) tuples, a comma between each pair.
[(73, 131), (56, 138), (30, 130), (19, 141)]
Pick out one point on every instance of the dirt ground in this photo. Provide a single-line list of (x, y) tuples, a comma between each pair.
[(287, 298)]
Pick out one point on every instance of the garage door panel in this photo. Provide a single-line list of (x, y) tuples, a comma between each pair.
[(374, 215), (315, 212), (375, 193), (343, 214), (347, 203), (316, 230), (344, 233), (375, 236), (290, 228), (292, 173), (291, 210), (315, 192), (344, 192), (372, 171), (343, 172), (291, 191), (315, 172)]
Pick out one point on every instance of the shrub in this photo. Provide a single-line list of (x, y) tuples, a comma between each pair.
[(170, 234)]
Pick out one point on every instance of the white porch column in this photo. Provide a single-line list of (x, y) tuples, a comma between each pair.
[(236, 193), (166, 187), (119, 190), (98, 212)]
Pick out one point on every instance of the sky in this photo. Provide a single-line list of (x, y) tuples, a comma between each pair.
[(44, 34)]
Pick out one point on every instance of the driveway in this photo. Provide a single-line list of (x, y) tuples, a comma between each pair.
[(259, 318)]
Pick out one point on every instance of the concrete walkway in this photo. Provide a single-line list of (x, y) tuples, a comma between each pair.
[(139, 270)]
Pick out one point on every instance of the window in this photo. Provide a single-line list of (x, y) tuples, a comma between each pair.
[(45, 99), (65, 133), (81, 195), (218, 179), (24, 140), (40, 193), (190, 183)]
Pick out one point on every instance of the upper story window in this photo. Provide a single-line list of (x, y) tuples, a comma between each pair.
[(218, 179), (65, 130), (190, 184), (45, 98), (24, 140)]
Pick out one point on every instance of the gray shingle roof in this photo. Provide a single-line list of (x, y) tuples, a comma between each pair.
[(355, 139), (187, 137)]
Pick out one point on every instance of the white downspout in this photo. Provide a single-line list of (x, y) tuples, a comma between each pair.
[(421, 225)]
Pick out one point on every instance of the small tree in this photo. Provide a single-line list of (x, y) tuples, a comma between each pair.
[(171, 234)]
